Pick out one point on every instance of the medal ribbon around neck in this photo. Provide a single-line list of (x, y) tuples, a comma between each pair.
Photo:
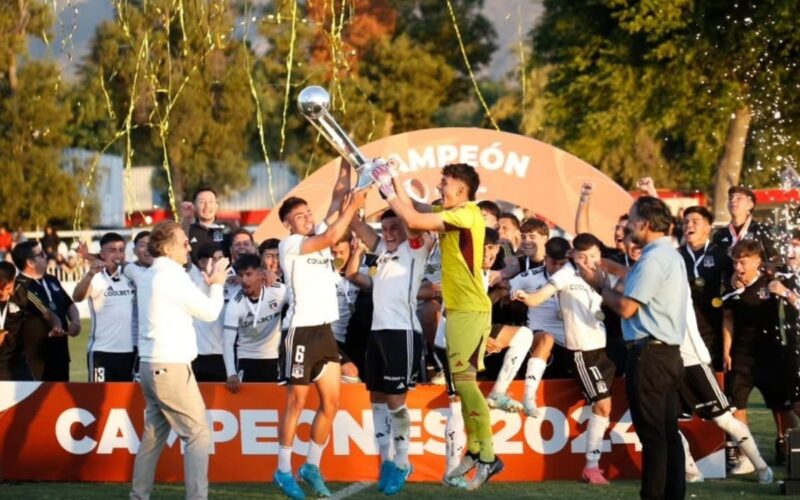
[(257, 310), (697, 260), (737, 236)]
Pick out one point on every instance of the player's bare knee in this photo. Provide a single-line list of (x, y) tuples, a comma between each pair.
[(329, 405), (394, 401), (602, 408)]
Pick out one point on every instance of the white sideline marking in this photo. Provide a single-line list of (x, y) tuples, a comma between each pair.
[(351, 490)]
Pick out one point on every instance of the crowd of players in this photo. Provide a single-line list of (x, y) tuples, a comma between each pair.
[(381, 295)]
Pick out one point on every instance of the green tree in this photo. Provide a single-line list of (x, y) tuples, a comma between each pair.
[(173, 79), (678, 89), (393, 85), (33, 121)]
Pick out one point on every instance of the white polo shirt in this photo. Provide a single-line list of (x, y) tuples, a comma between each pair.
[(254, 326), (111, 306), (580, 308), (544, 317), (168, 300), (396, 284), (311, 280)]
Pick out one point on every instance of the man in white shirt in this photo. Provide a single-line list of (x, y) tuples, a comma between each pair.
[(394, 349), (111, 295), (545, 321), (253, 325), (167, 345), (311, 351), (208, 366), (585, 338)]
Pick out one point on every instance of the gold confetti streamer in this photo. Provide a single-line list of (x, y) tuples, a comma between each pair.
[(259, 113), (469, 66), (289, 63)]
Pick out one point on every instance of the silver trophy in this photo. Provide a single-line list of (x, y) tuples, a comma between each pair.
[(314, 103)]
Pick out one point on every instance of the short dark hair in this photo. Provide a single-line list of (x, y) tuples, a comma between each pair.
[(204, 189), (268, 244), (622, 217), (701, 211), (242, 230), (23, 252), (585, 241), (556, 248), (466, 174), (288, 205), (655, 212), (7, 273), (491, 207), (247, 261), (742, 190), (796, 233), (746, 248), (140, 235), (491, 237), (534, 225), (161, 235), (511, 217), (111, 238), (207, 250), (389, 213)]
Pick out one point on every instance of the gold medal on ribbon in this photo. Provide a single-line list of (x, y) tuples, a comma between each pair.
[(716, 302), (373, 271)]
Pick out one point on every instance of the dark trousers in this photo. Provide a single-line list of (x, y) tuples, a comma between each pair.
[(653, 376), (209, 368)]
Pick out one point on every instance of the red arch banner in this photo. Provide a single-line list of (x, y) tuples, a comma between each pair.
[(513, 168)]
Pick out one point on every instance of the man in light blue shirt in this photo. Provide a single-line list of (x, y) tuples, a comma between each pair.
[(653, 311), (658, 283)]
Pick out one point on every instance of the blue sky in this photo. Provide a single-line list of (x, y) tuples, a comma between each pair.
[(73, 33)]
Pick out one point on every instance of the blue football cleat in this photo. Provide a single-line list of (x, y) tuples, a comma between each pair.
[(387, 468), (289, 486), (311, 474), (397, 479)]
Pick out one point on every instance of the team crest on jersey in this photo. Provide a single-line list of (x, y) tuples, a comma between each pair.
[(708, 261), (273, 304), (298, 370), (383, 259), (601, 386), (763, 293), (13, 308)]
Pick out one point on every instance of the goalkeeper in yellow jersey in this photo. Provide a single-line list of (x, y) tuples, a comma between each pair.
[(461, 228)]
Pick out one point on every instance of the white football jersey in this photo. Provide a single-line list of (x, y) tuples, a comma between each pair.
[(545, 317), (396, 284), (111, 305), (580, 305), (254, 326), (311, 280)]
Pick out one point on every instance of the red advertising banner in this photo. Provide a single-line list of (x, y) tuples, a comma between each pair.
[(91, 432)]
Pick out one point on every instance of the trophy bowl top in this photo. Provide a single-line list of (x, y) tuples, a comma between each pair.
[(313, 100)]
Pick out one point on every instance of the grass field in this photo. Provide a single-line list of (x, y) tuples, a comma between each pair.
[(761, 423)]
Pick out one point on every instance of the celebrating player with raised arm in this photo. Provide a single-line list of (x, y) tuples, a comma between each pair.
[(312, 355), (461, 226)]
